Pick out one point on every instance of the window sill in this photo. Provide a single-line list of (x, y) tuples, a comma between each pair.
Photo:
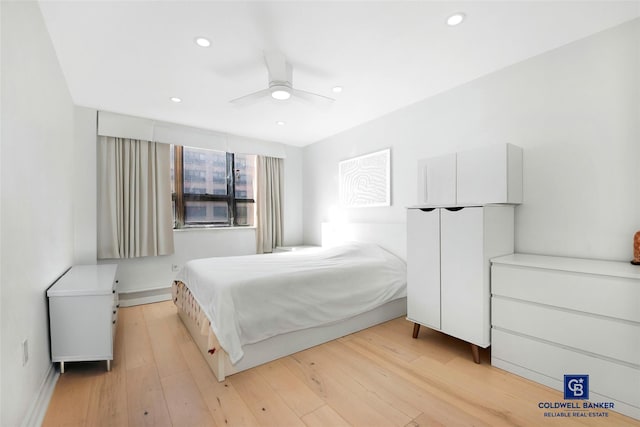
[(214, 228)]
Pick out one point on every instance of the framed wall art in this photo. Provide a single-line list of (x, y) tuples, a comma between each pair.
[(365, 181)]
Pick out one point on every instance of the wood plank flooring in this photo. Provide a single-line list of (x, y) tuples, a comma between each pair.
[(376, 377)]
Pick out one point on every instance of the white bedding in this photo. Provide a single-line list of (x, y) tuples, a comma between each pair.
[(251, 298)]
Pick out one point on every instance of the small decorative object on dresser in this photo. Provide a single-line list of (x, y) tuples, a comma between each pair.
[(636, 249)]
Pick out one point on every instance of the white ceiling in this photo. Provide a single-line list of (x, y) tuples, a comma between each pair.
[(131, 57)]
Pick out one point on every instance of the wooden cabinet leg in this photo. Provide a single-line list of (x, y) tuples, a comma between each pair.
[(416, 329), (475, 350)]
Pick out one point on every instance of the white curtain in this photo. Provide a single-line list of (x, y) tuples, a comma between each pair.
[(270, 177), (135, 216)]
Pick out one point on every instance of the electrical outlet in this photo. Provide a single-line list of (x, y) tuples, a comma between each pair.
[(175, 267), (25, 352)]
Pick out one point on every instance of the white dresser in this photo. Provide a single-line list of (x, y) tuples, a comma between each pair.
[(553, 316), (83, 313)]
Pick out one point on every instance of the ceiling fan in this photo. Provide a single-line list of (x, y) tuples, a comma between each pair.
[(280, 84)]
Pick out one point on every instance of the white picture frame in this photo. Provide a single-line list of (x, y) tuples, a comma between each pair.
[(365, 181)]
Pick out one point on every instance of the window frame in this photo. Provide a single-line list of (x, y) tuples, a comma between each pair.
[(180, 198)]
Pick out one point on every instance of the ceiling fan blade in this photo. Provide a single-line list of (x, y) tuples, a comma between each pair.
[(279, 69), (312, 97), (280, 80), (251, 98)]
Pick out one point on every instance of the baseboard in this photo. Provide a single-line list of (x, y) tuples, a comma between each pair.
[(128, 299), (38, 409)]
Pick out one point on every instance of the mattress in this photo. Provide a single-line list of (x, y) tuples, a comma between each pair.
[(251, 298)]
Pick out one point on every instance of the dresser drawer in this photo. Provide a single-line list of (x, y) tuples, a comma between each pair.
[(609, 379), (610, 296), (608, 337)]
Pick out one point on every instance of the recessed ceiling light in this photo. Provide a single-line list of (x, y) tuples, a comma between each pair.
[(176, 99), (337, 89), (280, 123), (203, 42), (455, 19)]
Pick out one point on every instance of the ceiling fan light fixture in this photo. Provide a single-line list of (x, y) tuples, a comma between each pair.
[(455, 19), (281, 93)]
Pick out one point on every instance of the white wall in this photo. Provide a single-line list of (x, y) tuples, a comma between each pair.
[(574, 110), (142, 274), (85, 202), (37, 200)]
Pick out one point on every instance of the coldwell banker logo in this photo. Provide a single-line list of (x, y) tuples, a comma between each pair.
[(576, 387)]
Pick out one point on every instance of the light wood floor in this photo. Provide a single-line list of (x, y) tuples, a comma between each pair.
[(377, 377)]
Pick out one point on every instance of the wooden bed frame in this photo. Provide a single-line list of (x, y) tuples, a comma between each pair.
[(391, 236), (289, 343)]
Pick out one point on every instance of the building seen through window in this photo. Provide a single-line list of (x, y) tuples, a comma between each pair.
[(213, 187)]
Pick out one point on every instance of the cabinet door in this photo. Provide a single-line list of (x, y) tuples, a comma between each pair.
[(491, 174), (437, 180), (482, 175), (423, 266), (464, 297)]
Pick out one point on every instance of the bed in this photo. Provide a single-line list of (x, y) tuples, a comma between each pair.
[(248, 310)]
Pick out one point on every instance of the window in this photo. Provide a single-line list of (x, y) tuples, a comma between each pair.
[(211, 188)]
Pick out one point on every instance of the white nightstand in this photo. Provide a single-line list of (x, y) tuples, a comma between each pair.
[(83, 312), (293, 248)]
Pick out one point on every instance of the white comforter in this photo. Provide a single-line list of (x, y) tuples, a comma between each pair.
[(254, 297)]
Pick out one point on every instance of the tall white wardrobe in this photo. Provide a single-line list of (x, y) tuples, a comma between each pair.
[(465, 218)]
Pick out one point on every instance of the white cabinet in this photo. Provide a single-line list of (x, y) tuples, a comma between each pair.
[(83, 312), (553, 316), (448, 267), (481, 176), (437, 181), (491, 174)]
